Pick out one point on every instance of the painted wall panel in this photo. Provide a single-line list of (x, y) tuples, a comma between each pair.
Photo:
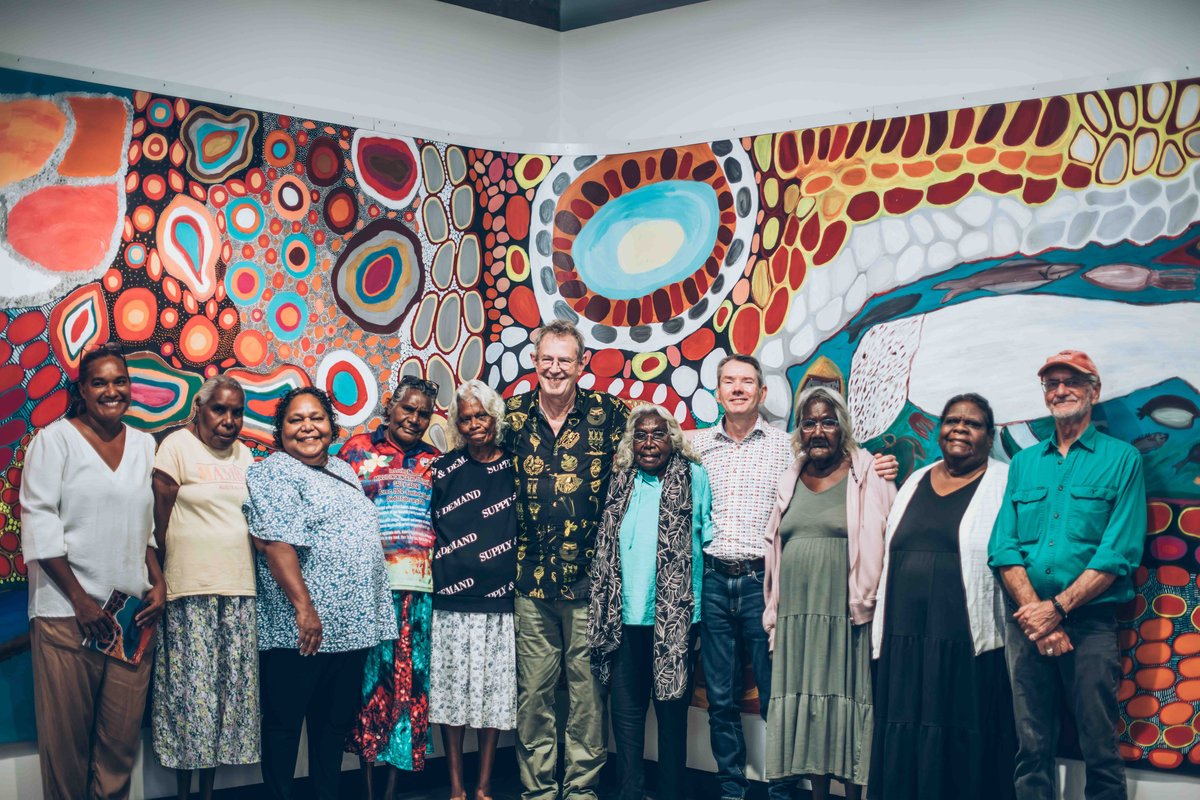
[(900, 259)]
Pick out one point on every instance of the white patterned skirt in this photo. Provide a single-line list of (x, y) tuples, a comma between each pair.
[(473, 670), (205, 710)]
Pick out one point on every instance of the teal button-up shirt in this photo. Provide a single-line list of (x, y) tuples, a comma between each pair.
[(639, 544), (1064, 514)]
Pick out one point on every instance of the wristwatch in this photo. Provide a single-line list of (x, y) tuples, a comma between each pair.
[(1062, 612)]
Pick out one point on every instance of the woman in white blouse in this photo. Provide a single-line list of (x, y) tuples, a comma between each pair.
[(87, 520)]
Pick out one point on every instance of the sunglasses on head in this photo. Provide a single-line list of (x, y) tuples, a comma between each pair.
[(420, 384)]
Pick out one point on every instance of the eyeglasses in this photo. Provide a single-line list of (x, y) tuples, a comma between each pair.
[(420, 384), (828, 424), (550, 361), (645, 436), (1052, 384)]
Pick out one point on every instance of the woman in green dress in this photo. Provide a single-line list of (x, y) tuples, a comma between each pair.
[(824, 557)]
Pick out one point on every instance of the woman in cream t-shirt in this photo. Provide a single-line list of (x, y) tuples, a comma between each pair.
[(206, 709)]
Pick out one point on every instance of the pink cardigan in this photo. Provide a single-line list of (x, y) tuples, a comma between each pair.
[(868, 500)]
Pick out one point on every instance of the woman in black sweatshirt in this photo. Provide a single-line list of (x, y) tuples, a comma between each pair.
[(473, 675)]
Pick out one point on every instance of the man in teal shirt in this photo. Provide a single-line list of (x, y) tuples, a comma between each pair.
[(1066, 542)]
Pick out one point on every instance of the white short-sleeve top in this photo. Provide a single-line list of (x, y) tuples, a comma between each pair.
[(101, 519)]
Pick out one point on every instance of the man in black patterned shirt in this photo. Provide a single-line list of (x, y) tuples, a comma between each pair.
[(563, 440)]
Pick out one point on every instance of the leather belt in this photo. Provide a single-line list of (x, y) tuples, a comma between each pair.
[(734, 569)]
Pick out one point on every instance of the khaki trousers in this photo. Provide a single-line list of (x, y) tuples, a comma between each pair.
[(551, 634), (89, 713)]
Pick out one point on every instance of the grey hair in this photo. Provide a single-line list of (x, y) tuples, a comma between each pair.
[(840, 410), (559, 327), (217, 382), (741, 359), (486, 396), (681, 445)]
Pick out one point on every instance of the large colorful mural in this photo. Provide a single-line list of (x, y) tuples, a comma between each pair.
[(900, 260)]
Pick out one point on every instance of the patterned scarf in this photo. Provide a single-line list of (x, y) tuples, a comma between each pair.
[(673, 600)]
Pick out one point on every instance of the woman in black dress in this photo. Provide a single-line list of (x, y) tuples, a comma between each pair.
[(943, 707)]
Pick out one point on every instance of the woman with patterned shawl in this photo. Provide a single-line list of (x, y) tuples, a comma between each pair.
[(645, 594)]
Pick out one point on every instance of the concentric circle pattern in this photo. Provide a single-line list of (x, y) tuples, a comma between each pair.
[(351, 385), (637, 250), (379, 275)]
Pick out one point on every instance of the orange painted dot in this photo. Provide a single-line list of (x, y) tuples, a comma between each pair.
[(1044, 165), (1175, 713), (271, 256), (169, 317), (143, 218), (918, 169), (1154, 653), (1170, 575), (198, 340), (885, 171), (1188, 691), (980, 155), (854, 176), (171, 289), (250, 347), (1155, 679), (112, 280), (155, 187), (1165, 759), (949, 162), (1187, 644), (228, 319), (1012, 159), (1143, 706), (1156, 629), (817, 184)]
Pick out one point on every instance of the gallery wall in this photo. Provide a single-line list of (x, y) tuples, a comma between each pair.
[(901, 258)]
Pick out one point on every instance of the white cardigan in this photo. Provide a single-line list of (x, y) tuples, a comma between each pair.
[(985, 596)]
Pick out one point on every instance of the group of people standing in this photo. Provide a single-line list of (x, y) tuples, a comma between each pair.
[(387, 587)]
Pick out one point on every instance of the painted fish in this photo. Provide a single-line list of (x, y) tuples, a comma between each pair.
[(1193, 457), (884, 312), (1150, 442), (1015, 275), (1170, 411), (1135, 278)]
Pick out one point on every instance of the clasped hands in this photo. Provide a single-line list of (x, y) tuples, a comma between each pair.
[(1042, 624)]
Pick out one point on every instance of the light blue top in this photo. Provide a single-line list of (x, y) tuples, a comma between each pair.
[(639, 544)]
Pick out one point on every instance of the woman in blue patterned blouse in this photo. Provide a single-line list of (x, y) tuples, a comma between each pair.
[(323, 597)]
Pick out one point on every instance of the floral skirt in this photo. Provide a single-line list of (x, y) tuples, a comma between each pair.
[(205, 708), (393, 725), (473, 670)]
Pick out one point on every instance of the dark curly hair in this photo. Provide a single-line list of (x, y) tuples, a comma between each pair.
[(292, 394), (91, 356), (980, 402)]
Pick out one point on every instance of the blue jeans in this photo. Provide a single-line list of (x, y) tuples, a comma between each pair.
[(1086, 679), (731, 608)]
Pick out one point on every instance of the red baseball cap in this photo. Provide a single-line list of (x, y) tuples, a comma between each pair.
[(1071, 359)]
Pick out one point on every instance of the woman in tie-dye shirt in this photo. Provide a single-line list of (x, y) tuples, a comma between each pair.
[(393, 465)]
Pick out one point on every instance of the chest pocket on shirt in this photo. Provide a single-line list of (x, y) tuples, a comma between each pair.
[(1031, 509), (1091, 507)]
